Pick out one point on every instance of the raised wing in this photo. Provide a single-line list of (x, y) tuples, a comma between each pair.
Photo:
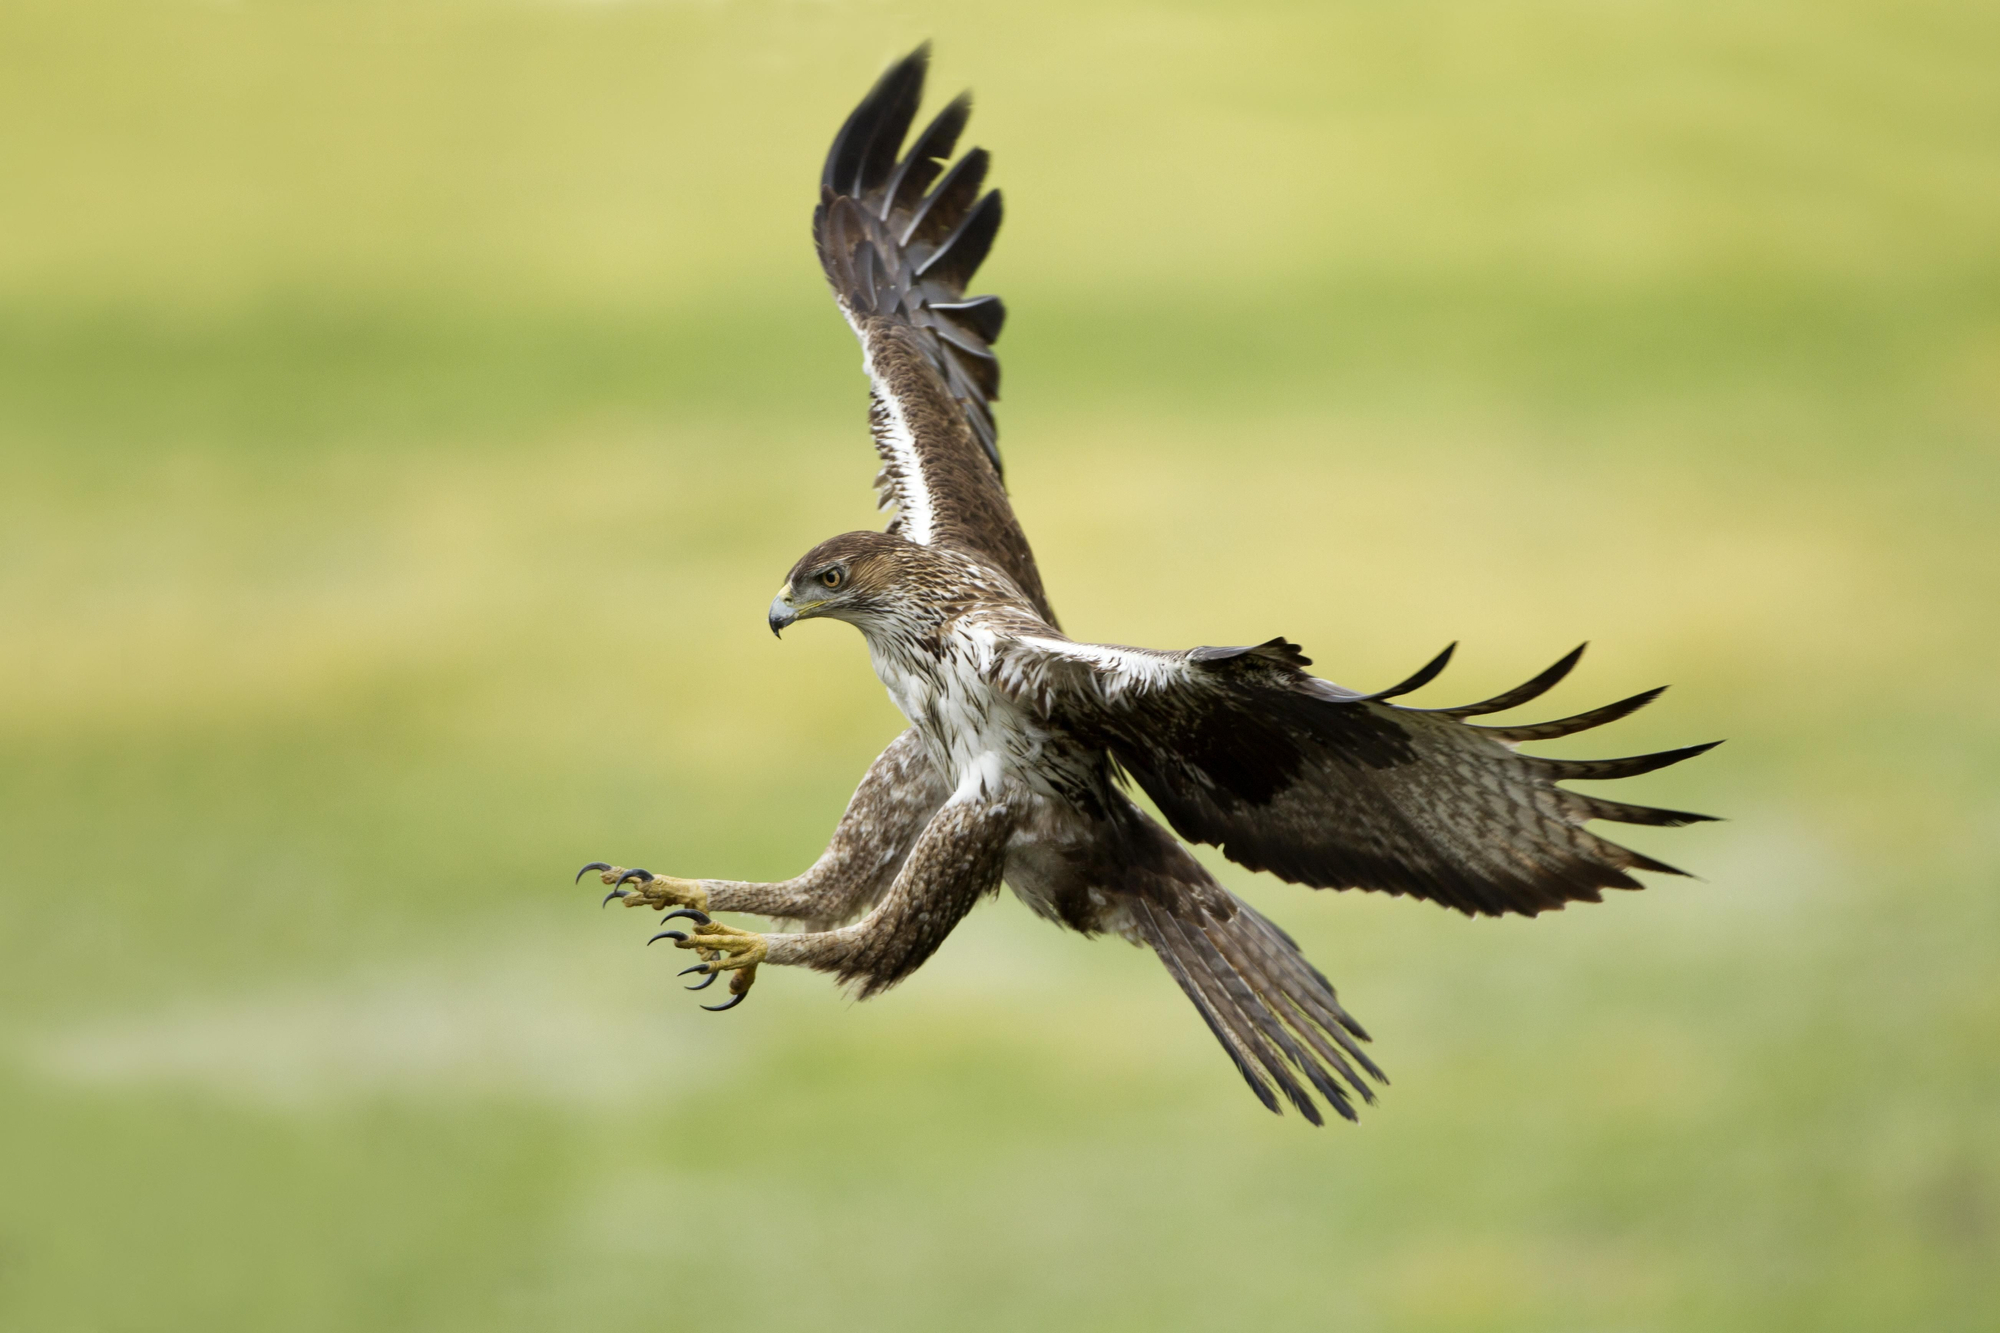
[(899, 237), (1319, 785)]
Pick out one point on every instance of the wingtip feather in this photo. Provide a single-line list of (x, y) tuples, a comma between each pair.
[(1567, 726), (1424, 676), (1628, 766), (1530, 689), (900, 85)]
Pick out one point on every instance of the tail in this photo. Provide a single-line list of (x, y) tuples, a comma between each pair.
[(1273, 1012)]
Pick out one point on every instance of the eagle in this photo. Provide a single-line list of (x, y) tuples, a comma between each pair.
[(1023, 744)]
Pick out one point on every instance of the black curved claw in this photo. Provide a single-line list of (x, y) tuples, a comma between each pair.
[(699, 918), (594, 865), (615, 893), (668, 935), (729, 1003), (643, 876), (702, 968)]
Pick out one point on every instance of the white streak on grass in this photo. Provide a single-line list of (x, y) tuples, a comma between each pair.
[(553, 1021)]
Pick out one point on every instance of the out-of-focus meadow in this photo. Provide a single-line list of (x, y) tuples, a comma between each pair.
[(407, 409)]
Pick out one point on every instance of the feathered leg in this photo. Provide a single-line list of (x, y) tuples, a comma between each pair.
[(897, 797), (957, 859)]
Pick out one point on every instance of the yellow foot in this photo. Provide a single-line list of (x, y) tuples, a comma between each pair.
[(642, 888), (721, 949)]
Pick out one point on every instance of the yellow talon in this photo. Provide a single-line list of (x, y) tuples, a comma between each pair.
[(661, 891), (727, 949)]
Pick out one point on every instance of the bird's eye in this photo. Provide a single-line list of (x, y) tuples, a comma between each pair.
[(832, 578)]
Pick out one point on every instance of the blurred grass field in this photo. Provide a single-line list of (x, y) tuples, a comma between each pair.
[(406, 410)]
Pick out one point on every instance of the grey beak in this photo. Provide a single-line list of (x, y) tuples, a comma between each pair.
[(781, 615)]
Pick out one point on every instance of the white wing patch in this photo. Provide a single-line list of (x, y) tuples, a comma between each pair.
[(894, 440), (1119, 670)]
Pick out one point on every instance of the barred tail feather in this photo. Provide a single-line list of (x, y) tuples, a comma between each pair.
[(1274, 1014)]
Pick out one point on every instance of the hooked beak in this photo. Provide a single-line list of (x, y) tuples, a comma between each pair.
[(781, 615)]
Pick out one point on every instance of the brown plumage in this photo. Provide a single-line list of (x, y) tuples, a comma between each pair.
[(1021, 740)]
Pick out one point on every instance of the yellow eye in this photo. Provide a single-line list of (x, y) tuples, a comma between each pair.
[(832, 578)]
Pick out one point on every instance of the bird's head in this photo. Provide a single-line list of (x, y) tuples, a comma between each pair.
[(863, 578)]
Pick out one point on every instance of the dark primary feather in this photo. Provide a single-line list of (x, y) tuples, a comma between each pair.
[(1525, 692), (1323, 786), (899, 235), (1565, 726), (866, 146), (1425, 674)]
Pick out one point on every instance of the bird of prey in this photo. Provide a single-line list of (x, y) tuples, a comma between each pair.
[(1023, 742)]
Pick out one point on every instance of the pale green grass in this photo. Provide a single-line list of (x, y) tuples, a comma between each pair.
[(406, 410)]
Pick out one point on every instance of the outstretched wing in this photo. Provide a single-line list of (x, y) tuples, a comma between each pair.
[(899, 237), (1320, 785)]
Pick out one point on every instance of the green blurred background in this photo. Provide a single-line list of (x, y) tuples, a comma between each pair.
[(407, 408)]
